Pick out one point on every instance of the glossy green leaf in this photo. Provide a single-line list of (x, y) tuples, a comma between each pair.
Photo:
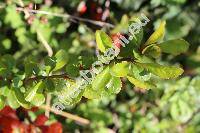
[(175, 47), (120, 69), (70, 95), (152, 50), (31, 69), (157, 35), (102, 79), (161, 71), (137, 40), (103, 40), (50, 64), (20, 98), (38, 99), (30, 94), (139, 73), (61, 59), (12, 101), (91, 93), (141, 84), (141, 58), (114, 85)]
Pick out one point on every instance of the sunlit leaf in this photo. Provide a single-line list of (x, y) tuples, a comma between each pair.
[(141, 84), (91, 93), (114, 85), (12, 101), (157, 35), (38, 99), (152, 50), (120, 69), (161, 71), (101, 79), (20, 98), (103, 40), (139, 73), (61, 59), (30, 94)]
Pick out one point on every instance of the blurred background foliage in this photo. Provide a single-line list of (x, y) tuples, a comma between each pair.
[(172, 107)]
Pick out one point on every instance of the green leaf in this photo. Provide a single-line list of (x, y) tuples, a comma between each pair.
[(30, 94), (152, 50), (31, 69), (13, 17), (70, 95), (61, 59), (157, 35), (114, 85), (141, 84), (103, 40), (91, 93), (175, 47), (180, 111), (137, 40), (72, 69), (122, 26), (2, 102), (17, 82), (8, 62), (139, 73), (164, 72), (4, 90), (20, 98), (49, 84), (101, 79), (38, 99), (141, 58), (120, 69), (50, 64), (12, 101)]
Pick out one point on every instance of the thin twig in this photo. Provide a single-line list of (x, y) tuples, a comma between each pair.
[(45, 43), (27, 14), (48, 104), (99, 23), (50, 53), (67, 115)]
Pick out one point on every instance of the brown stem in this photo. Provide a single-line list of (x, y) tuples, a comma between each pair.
[(98, 23), (67, 115)]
